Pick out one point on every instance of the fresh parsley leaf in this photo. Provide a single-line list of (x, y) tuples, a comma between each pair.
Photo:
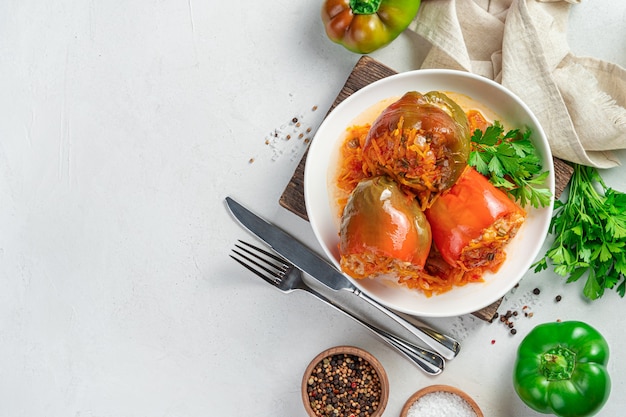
[(590, 235), (511, 163)]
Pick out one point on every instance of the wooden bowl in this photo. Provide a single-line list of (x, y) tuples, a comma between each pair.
[(312, 383), (440, 388)]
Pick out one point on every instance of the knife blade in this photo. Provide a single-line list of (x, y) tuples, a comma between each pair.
[(317, 267), (290, 248)]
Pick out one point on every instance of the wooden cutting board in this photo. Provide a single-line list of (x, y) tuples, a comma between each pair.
[(366, 71)]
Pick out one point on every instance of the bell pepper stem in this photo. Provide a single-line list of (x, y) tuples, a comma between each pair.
[(364, 6), (557, 364)]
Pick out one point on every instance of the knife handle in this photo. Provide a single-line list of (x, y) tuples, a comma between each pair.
[(443, 344), (427, 361)]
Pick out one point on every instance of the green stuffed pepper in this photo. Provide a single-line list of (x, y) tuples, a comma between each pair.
[(561, 369), (422, 141), (362, 26)]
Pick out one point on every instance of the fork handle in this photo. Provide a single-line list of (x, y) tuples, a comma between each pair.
[(443, 344), (429, 362)]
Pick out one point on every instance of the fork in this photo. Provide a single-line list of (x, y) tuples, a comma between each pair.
[(287, 278)]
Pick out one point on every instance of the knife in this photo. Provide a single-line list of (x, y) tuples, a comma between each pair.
[(310, 262)]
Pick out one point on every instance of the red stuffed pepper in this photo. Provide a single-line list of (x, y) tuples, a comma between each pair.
[(473, 221)]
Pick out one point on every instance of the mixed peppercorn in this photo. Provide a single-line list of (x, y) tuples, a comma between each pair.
[(344, 385)]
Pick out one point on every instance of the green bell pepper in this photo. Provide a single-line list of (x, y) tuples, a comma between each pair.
[(362, 26), (561, 369)]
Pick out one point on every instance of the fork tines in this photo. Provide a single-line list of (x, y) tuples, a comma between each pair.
[(275, 266)]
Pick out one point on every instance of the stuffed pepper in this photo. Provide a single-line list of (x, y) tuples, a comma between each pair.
[(422, 141), (382, 231), (472, 223)]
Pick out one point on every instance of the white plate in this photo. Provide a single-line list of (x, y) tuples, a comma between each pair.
[(322, 162)]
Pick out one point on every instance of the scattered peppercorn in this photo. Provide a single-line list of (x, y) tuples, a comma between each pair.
[(344, 385), (509, 318), (536, 291), (558, 298), (279, 139)]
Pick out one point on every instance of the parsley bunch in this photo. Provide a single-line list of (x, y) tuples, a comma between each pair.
[(590, 235), (511, 163)]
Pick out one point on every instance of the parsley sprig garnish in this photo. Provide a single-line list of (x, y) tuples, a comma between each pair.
[(590, 235), (511, 163)]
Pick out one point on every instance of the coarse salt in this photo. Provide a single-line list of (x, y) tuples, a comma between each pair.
[(441, 404)]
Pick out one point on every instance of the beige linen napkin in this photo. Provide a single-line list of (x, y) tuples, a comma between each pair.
[(522, 44)]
